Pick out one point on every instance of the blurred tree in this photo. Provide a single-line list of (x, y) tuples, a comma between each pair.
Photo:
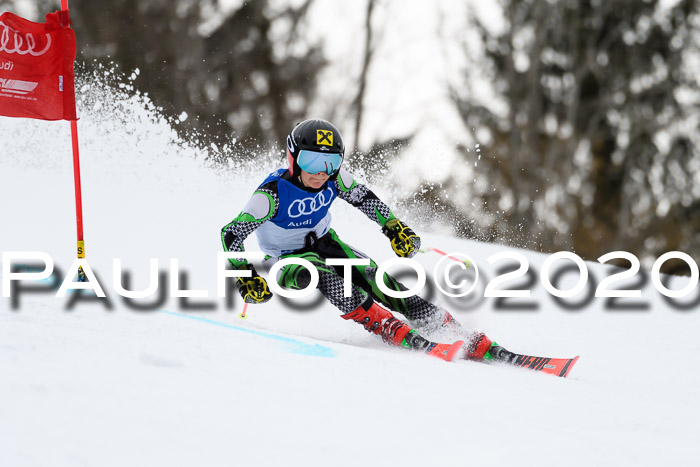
[(18, 7), (368, 53), (587, 134), (262, 74), (243, 72), (372, 163)]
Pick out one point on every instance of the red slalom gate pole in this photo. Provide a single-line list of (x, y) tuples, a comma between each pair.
[(76, 177), (78, 191)]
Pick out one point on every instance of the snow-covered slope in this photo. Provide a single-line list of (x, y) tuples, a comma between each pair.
[(101, 383)]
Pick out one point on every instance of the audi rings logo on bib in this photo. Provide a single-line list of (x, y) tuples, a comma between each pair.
[(307, 206)]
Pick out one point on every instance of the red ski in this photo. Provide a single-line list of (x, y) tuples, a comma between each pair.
[(446, 352), (554, 366)]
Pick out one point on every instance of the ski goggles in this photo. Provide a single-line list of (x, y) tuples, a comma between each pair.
[(314, 162)]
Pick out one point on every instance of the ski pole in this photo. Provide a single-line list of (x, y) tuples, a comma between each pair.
[(440, 252), (242, 314)]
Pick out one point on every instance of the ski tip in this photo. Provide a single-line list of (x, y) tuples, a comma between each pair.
[(568, 366), (446, 352), (453, 350)]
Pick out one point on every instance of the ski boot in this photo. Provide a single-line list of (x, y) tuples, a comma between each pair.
[(382, 322), (481, 348), (478, 347)]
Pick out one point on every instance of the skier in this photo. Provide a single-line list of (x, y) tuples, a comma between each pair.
[(289, 212)]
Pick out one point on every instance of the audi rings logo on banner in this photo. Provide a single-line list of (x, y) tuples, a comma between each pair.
[(306, 206), (15, 42)]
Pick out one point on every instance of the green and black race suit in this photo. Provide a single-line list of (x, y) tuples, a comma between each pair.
[(280, 201)]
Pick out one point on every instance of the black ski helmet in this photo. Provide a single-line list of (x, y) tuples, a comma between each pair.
[(314, 135)]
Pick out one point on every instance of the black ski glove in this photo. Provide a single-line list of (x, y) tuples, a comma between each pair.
[(404, 241), (253, 289)]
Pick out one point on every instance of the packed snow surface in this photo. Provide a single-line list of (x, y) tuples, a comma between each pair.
[(88, 382)]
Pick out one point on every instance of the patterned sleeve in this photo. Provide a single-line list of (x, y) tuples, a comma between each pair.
[(362, 198), (261, 207)]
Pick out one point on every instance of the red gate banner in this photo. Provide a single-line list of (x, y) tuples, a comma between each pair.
[(36, 67)]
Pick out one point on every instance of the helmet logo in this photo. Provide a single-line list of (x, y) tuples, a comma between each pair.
[(290, 144), (324, 137)]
